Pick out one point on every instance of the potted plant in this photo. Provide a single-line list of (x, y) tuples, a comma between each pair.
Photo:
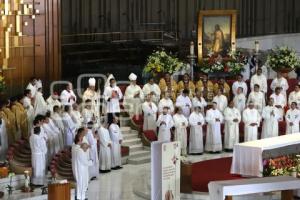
[(283, 59)]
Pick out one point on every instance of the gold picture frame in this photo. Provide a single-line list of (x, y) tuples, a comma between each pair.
[(216, 32)]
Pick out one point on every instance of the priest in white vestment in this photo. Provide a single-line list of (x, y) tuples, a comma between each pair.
[(92, 139), (105, 148), (239, 100), (152, 88), (221, 101), (3, 140), (69, 126), (40, 105), (164, 123), (56, 130), (53, 138), (150, 114), (166, 102), (259, 79), (251, 119), (27, 104), (181, 123), (214, 119), (239, 83), (292, 118), (67, 96), (53, 101), (112, 95), (57, 118), (38, 157), (232, 119), (279, 101), (295, 96), (94, 96), (196, 121), (133, 96), (184, 102), (199, 100), (257, 98), (116, 138), (271, 116), (88, 114), (280, 82), (80, 165), (32, 86)]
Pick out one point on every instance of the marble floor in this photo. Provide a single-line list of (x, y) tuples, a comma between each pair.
[(133, 183)]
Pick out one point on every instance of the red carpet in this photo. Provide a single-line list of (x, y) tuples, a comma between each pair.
[(211, 170)]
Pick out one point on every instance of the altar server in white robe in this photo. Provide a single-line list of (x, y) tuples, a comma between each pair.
[(94, 96), (221, 101), (152, 88), (69, 126), (92, 139), (184, 102), (292, 118), (251, 119), (181, 123), (259, 79), (214, 119), (280, 82), (105, 148), (133, 96), (239, 83), (88, 114), (150, 114), (3, 140), (112, 95), (76, 115), (196, 121), (53, 101), (239, 100), (27, 103), (40, 105), (279, 101), (199, 100), (80, 165), (57, 118), (116, 138), (164, 123), (67, 96), (38, 157), (232, 119), (166, 102), (271, 116), (257, 98), (57, 131), (32, 86), (295, 96)]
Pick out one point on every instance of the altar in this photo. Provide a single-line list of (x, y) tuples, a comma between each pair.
[(248, 157)]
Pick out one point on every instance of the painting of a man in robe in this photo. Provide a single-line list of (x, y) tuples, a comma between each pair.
[(216, 34)]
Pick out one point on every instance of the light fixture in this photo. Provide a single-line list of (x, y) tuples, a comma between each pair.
[(33, 17), (25, 23), (37, 11)]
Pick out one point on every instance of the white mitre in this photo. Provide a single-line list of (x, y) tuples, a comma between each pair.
[(92, 82), (132, 77)]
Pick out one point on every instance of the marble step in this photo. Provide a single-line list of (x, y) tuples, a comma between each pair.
[(139, 160), (130, 142), (129, 136), (138, 154), (135, 148)]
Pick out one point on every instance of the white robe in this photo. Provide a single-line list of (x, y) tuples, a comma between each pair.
[(65, 97), (240, 102), (52, 102), (116, 136), (38, 159), (261, 81), (221, 101), (69, 129), (105, 150), (280, 82), (164, 131), (154, 88), (294, 97), (132, 103), (181, 123), (279, 100), (185, 104), (88, 115), (94, 96), (231, 128), (58, 132), (93, 151), (40, 105), (251, 116), (270, 123), (199, 102), (29, 111), (57, 120), (213, 131), (292, 116), (258, 98), (150, 115), (77, 118), (53, 138), (80, 168), (3, 140), (196, 133), (32, 88), (237, 85), (112, 103), (165, 103)]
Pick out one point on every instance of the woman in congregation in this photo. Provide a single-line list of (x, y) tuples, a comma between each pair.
[(181, 123)]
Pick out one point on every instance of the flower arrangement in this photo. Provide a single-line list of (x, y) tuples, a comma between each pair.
[(282, 58), (2, 84), (233, 63), (161, 62), (280, 166)]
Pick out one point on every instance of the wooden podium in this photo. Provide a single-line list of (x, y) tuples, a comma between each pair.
[(59, 191)]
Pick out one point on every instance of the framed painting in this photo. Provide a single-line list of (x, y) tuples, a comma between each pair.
[(216, 32)]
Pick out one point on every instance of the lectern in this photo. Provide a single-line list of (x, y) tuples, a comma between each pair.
[(59, 191)]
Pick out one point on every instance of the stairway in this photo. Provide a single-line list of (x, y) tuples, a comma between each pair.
[(138, 154)]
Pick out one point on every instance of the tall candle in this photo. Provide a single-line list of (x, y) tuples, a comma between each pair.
[(256, 46), (192, 48)]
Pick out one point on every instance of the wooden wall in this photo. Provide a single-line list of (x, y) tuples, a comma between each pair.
[(41, 57)]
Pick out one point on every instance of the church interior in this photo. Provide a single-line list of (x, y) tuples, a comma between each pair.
[(208, 107)]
